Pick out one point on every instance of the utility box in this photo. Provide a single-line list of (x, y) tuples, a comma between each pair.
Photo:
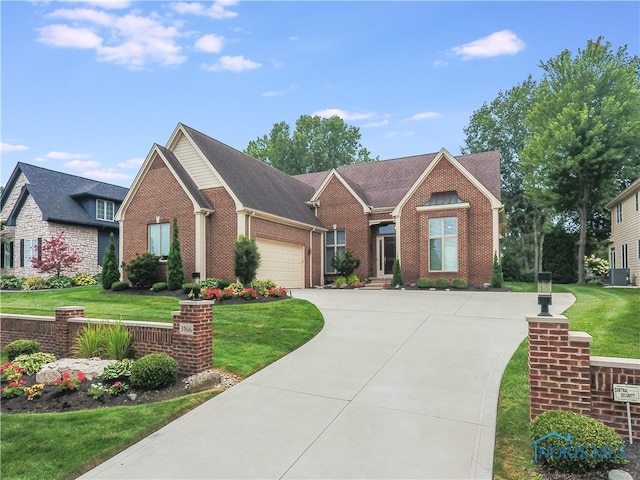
[(619, 277)]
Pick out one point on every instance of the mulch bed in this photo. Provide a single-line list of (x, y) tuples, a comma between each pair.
[(53, 400)]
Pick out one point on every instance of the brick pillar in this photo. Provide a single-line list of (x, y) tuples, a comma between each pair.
[(63, 342), (193, 336), (559, 366)]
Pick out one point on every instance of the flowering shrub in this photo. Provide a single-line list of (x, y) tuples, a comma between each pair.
[(356, 284), (69, 382), (596, 267), (227, 293), (96, 391), (10, 372), (386, 285), (278, 292), (118, 388), (211, 294), (248, 294), (14, 389), (236, 287), (34, 391)]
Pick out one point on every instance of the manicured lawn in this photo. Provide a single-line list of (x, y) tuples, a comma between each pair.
[(246, 339), (611, 316)]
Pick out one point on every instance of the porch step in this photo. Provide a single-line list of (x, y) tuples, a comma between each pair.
[(374, 284)]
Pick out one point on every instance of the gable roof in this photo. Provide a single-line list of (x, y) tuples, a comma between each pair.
[(633, 188), (256, 185), (384, 183), (59, 195)]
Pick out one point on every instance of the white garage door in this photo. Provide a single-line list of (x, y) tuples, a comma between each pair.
[(281, 262)]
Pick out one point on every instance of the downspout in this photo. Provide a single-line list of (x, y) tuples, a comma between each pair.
[(120, 245), (311, 232)]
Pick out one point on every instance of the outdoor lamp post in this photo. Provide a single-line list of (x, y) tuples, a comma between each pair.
[(196, 289), (544, 293)]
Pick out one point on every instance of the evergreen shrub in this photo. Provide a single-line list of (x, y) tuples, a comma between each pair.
[(22, 347), (154, 371)]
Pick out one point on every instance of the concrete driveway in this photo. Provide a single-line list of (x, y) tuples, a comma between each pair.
[(399, 384)]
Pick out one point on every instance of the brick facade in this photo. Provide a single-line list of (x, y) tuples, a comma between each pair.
[(564, 376)]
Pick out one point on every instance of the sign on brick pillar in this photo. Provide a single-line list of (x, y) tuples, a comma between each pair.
[(193, 336), (63, 314), (559, 366)]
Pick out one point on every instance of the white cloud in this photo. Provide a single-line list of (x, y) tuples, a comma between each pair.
[(211, 43), (130, 39), (440, 64), (109, 4), (504, 42), (80, 164), (424, 115), (132, 163), (217, 10), (381, 123), (336, 112), (233, 64), (7, 147), (106, 174), (62, 156), (70, 37)]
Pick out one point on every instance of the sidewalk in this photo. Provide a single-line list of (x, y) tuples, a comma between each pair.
[(399, 384)]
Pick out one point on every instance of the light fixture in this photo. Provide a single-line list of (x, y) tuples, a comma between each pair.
[(196, 290), (544, 293)]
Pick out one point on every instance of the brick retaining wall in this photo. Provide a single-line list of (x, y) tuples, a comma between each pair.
[(188, 339)]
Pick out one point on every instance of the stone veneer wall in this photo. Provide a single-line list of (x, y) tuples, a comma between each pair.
[(188, 339), (564, 376)]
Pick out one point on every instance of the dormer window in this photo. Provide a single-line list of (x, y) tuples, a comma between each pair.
[(444, 198), (105, 210)]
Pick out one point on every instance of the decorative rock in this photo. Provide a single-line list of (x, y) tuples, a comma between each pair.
[(203, 381), (619, 475), (91, 367), (132, 396)]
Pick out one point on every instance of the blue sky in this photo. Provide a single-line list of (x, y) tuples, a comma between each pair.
[(89, 87)]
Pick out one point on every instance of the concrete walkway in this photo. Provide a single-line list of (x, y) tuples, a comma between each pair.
[(398, 385)]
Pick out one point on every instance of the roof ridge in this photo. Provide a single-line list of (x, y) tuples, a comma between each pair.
[(57, 172)]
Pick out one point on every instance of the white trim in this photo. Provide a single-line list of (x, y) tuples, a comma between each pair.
[(201, 241), (334, 173), (242, 227), (448, 206), (281, 220)]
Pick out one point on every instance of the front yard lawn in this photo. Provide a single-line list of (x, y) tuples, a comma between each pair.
[(611, 316), (59, 446)]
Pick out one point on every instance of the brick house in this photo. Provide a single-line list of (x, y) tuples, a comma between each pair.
[(38, 204), (624, 242), (437, 213)]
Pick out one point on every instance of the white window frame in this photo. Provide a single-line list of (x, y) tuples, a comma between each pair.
[(158, 239), (29, 245), (335, 247), (619, 213), (624, 254), (448, 244), (105, 210)]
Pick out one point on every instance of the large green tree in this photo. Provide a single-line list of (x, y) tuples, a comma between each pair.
[(583, 141), (500, 125), (317, 144)]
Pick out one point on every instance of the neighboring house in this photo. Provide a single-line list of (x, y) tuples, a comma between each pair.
[(437, 213), (37, 204), (624, 243)]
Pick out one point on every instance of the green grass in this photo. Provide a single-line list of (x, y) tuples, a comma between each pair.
[(611, 316), (59, 446)]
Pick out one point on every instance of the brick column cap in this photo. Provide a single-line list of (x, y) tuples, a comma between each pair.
[(615, 362), (197, 302), (548, 319), (580, 337), (68, 309)]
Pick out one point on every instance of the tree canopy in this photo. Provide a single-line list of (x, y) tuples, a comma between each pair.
[(584, 133), (317, 144)]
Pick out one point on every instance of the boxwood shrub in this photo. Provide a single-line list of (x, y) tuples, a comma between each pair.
[(592, 444), (424, 282), (118, 286), (459, 283), (154, 371), (22, 347), (159, 286), (442, 283)]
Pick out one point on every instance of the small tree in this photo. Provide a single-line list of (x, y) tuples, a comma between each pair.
[(175, 273), (497, 278), (246, 260), (55, 256), (397, 274), (110, 272), (345, 264), (142, 270)]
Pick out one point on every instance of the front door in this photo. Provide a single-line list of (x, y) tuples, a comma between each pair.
[(386, 254)]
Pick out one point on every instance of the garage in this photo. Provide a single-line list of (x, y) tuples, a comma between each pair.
[(281, 262)]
